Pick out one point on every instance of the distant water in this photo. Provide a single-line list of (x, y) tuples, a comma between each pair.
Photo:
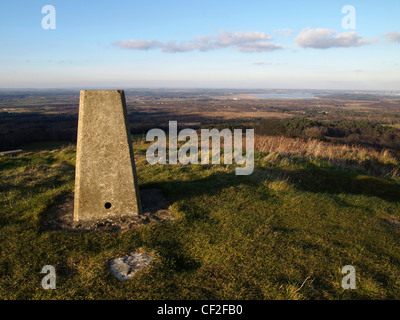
[(286, 95)]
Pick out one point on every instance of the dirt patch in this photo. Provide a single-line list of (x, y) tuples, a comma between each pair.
[(393, 222), (59, 217)]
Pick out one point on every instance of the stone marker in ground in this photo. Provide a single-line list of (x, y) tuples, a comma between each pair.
[(105, 182), (125, 268)]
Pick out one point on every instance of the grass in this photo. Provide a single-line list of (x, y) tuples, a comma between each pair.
[(284, 232), (355, 158), (396, 126)]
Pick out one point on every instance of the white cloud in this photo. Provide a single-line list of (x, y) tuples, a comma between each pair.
[(393, 36), (286, 33), (251, 41), (138, 44), (270, 63), (326, 38), (258, 47)]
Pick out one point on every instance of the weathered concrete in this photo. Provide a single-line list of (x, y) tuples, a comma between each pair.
[(126, 267), (105, 181)]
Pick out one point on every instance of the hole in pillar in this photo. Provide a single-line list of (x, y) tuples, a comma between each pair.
[(107, 205)]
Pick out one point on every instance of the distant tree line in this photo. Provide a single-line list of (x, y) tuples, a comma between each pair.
[(349, 132), (17, 129)]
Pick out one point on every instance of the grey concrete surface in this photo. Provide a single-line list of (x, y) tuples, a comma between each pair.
[(105, 179)]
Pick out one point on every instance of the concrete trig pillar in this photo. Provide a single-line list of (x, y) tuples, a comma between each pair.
[(105, 180)]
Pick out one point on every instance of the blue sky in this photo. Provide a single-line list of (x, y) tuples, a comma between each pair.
[(202, 44)]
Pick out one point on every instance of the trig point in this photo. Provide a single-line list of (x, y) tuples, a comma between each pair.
[(105, 181)]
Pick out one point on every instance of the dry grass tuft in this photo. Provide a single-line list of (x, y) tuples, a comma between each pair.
[(381, 163)]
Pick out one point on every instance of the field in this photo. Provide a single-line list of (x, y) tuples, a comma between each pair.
[(367, 118), (324, 194)]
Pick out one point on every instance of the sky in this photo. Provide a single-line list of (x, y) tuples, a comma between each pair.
[(265, 44)]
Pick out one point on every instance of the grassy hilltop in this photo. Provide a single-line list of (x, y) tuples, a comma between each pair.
[(283, 232)]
